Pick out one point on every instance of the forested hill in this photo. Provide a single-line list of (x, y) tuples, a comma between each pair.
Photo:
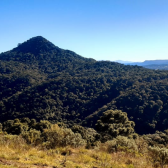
[(39, 80)]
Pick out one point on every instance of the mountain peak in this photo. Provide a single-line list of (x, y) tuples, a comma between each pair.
[(35, 45), (40, 49)]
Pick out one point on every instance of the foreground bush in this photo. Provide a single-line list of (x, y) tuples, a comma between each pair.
[(56, 137), (121, 143), (88, 134), (32, 137), (13, 141), (159, 156)]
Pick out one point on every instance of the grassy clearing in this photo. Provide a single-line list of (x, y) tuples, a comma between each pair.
[(18, 154)]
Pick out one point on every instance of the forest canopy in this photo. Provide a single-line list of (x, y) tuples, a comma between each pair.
[(39, 80)]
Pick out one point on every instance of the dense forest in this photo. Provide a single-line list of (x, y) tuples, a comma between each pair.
[(39, 80), (154, 66)]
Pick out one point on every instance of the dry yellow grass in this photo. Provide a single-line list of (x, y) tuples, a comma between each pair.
[(16, 153)]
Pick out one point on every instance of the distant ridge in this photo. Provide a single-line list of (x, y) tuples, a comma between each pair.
[(151, 64), (146, 62)]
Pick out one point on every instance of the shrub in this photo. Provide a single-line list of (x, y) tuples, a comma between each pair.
[(121, 143), (43, 124), (88, 134), (158, 156), (13, 141), (142, 145), (72, 139), (1, 127), (32, 136), (57, 136), (157, 139), (52, 137)]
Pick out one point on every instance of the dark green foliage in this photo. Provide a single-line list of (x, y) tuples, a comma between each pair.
[(44, 133), (114, 123), (157, 139), (25, 120), (88, 134), (39, 80), (7, 125), (43, 124), (32, 123), (17, 126)]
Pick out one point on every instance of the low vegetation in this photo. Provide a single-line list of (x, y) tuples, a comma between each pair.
[(28, 143)]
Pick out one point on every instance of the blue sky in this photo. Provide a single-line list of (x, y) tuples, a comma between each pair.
[(134, 30)]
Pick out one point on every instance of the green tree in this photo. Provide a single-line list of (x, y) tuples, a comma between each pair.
[(114, 123)]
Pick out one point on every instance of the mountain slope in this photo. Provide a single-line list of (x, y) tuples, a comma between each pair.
[(42, 81)]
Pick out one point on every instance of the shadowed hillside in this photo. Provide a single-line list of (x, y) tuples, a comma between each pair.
[(39, 80)]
